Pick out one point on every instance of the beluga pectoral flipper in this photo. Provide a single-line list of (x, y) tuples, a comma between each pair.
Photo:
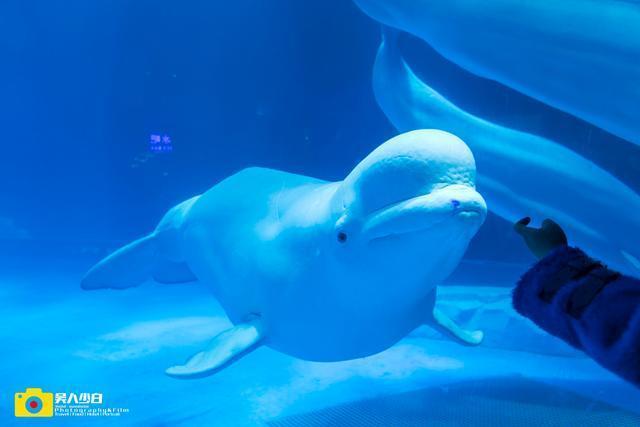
[(441, 322), (225, 348), (318, 270)]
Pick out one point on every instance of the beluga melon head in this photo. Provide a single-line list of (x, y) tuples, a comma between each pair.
[(411, 204)]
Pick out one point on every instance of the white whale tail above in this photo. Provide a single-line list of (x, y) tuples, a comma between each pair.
[(405, 99)]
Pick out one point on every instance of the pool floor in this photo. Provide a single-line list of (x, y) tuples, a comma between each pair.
[(119, 343)]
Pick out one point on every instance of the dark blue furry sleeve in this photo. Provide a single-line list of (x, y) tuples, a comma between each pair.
[(587, 305)]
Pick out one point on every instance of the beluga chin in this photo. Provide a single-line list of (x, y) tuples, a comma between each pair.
[(322, 271)]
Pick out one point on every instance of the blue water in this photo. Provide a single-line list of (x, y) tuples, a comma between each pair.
[(86, 87)]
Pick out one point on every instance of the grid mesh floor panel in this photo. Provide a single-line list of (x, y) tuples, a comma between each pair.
[(493, 402)]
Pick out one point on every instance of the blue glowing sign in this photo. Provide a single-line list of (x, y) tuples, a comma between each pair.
[(160, 143)]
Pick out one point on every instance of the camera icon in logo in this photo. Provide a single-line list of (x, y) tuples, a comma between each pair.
[(33, 403)]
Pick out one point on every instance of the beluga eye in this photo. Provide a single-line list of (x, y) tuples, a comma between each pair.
[(342, 237)]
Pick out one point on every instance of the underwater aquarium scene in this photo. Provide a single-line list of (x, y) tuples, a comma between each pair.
[(285, 213)]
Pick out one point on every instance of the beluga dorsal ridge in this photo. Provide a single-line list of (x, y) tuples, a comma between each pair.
[(322, 271)]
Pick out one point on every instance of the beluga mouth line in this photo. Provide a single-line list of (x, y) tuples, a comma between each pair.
[(419, 213)]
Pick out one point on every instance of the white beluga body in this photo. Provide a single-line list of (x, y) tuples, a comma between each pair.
[(520, 174), (322, 271), (579, 56)]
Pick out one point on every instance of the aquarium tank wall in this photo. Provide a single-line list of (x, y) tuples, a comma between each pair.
[(337, 213)]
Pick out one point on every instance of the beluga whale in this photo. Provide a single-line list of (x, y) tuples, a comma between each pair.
[(322, 271), (519, 174), (579, 56)]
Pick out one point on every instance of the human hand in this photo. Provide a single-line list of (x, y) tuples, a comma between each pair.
[(541, 241)]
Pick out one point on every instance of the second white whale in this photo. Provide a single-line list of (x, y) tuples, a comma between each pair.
[(519, 173)]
